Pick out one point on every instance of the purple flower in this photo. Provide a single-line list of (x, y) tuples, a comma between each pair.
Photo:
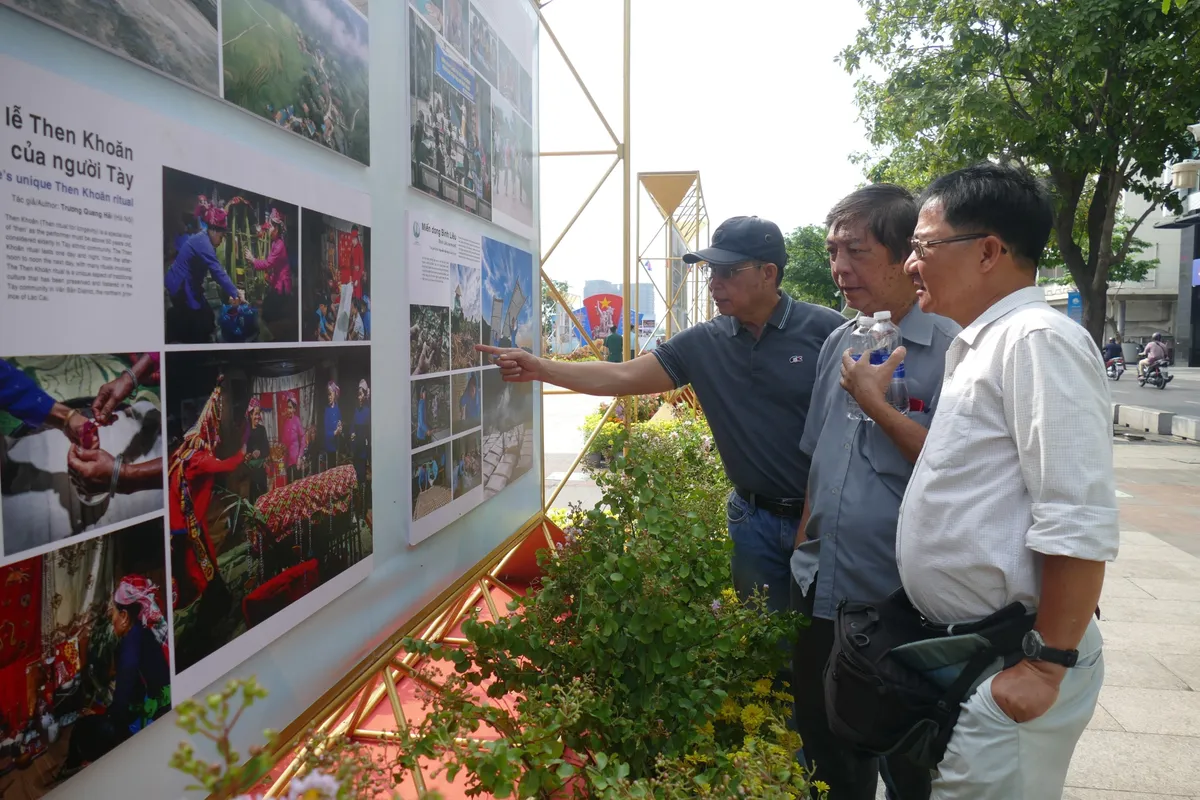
[(716, 606)]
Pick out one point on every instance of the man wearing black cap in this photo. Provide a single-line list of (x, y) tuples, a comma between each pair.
[(753, 370)]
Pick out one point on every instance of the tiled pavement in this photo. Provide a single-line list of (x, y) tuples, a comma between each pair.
[(1144, 740)]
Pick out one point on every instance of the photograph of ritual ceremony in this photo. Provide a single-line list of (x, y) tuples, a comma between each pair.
[(335, 284), (230, 263), (507, 296), (86, 661), (451, 123), (507, 449), (304, 65), (81, 445), (430, 480), (269, 483)]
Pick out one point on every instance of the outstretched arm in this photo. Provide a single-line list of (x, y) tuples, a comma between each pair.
[(639, 376)]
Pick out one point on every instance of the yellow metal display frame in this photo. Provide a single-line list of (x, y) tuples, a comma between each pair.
[(679, 198)]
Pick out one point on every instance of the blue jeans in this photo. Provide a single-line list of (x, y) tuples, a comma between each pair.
[(762, 551)]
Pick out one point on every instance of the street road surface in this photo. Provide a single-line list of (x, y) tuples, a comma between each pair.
[(1182, 395)]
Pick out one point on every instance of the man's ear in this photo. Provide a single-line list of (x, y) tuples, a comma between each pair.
[(991, 249)]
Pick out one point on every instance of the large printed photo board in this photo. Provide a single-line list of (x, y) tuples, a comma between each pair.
[(471, 66), (185, 414), (302, 65), (472, 433)]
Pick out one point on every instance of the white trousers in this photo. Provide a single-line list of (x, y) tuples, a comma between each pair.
[(990, 757)]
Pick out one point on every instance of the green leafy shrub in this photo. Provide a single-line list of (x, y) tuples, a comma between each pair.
[(634, 671)]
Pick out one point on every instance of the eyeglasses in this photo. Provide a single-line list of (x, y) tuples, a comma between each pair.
[(919, 246), (721, 272)]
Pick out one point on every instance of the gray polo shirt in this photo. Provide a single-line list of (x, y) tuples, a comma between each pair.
[(755, 392), (858, 475)]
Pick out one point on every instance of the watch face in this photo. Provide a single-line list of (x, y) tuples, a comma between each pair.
[(1031, 644)]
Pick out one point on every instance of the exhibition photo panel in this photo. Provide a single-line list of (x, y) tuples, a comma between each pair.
[(229, 256), (81, 447), (86, 664), (269, 485), (301, 65), (456, 392), (471, 106), (335, 284)]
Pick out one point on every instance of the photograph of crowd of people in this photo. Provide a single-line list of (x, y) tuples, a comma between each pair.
[(229, 263), (485, 47), (429, 339), (430, 411), (81, 445), (304, 65), (466, 316), (508, 289), (335, 279), (448, 159), (430, 480), (512, 163), (465, 474), (269, 483), (507, 448), (467, 394), (86, 661), (515, 85), (177, 37)]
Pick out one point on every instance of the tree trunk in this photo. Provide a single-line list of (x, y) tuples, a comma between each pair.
[(1095, 308)]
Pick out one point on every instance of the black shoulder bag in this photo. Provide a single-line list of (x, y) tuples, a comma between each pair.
[(895, 682)]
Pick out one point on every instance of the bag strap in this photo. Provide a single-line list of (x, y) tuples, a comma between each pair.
[(1004, 639)]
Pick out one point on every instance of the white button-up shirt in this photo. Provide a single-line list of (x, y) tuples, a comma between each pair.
[(1018, 464)]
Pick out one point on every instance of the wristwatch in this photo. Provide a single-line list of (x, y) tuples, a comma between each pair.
[(1035, 649)]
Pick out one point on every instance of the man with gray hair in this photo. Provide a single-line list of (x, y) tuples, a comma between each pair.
[(846, 541)]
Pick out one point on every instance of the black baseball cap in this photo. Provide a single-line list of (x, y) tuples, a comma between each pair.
[(739, 239)]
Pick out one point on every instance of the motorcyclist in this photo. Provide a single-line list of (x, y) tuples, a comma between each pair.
[(1155, 351), (1112, 349)]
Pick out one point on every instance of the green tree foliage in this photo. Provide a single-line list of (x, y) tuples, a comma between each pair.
[(806, 276), (1084, 92)]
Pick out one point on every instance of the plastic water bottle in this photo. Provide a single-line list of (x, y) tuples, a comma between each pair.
[(886, 338), (861, 344)]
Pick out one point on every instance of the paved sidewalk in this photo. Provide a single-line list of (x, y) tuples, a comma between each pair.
[(1144, 740)]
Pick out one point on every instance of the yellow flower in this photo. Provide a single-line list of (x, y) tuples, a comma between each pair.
[(753, 717), (729, 596), (821, 786), (706, 730), (729, 711), (762, 687)]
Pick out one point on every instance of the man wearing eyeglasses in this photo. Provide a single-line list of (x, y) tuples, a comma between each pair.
[(1013, 498), (752, 369), (846, 542)]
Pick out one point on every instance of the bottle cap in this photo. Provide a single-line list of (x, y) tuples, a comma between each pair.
[(883, 315)]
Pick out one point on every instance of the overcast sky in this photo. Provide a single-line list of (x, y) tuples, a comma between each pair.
[(745, 92)]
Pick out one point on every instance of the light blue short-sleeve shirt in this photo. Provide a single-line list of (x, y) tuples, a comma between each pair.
[(858, 475)]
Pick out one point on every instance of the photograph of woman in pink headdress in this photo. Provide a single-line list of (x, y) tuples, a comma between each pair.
[(291, 433), (229, 272)]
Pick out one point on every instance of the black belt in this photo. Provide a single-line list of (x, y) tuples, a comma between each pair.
[(779, 506)]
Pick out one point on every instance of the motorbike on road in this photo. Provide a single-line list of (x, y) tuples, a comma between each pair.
[(1156, 374), (1115, 367)]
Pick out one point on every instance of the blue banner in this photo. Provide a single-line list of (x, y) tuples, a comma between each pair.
[(1075, 306), (455, 73)]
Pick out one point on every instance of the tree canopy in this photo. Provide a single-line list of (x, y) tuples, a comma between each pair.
[(806, 276), (1094, 95)]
